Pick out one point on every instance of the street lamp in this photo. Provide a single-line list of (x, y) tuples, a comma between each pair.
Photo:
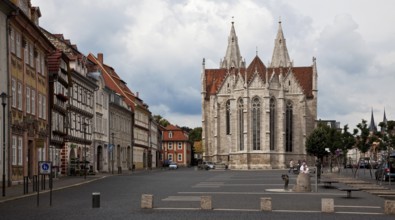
[(3, 103), (112, 154), (84, 125)]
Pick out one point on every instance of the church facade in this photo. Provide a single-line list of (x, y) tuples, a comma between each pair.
[(257, 116)]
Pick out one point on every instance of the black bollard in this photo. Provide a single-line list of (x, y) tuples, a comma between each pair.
[(95, 200), (285, 177)]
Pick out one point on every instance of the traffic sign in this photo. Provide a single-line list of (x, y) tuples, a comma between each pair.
[(45, 167)]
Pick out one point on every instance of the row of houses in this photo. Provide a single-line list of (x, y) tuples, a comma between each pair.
[(71, 109)]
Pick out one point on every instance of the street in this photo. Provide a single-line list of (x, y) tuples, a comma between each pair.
[(235, 195)]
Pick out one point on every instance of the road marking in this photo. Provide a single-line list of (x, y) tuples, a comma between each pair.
[(263, 193), (354, 206), (257, 210), (183, 198)]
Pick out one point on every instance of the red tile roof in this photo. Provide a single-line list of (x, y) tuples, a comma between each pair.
[(177, 134), (114, 82), (216, 77)]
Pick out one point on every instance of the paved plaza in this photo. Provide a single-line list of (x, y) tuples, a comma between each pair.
[(177, 194)]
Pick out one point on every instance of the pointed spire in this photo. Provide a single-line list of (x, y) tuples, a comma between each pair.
[(232, 57), (385, 122), (372, 126), (280, 56)]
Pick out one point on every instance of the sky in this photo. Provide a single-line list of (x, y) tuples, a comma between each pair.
[(157, 47)]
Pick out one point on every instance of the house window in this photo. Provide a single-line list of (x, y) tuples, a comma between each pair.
[(20, 144), (13, 91), (179, 145), (272, 123), (256, 124), (227, 117), (28, 100), (170, 145), (33, 97), (40, 109), (240, 122), (20, 96), (170, 157), (14, 155), (288, 127), (12, 40), (179, 158), (170, 134), (18, 44), (44, 107)]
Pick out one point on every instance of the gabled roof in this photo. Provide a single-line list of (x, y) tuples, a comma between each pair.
[(114, 82), (177, 134), (304, 75)]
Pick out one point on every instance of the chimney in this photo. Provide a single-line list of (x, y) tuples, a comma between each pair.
[(100, 57), (137, 94)]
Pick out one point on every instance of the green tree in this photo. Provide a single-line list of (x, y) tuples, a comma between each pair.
[(160, 120), (347, 142), (317, 141)]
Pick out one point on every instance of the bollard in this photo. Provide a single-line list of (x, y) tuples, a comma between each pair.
[(327, 205), (266, 204), (285, 177), (389, 207), (96, 200), (205, 202), (146, 201)]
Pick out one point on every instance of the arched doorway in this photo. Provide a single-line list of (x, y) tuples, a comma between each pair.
[(72, 163), (99, 158)]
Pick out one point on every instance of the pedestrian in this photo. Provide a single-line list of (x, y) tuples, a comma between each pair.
[(291, 165), (304, 168)]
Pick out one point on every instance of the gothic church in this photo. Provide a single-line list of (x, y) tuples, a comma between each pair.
[(257, 116)]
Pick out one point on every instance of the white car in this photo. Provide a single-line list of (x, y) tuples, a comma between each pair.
[(173, 165)]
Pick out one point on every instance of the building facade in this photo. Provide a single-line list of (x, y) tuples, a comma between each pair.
[(257, 116), (58, 68), (120, 117), (101, 136), (6, 11), (176, 146), (27, 86)]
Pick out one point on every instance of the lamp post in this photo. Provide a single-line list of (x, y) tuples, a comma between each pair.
[(112, 154), (3, 103), (84, 125)]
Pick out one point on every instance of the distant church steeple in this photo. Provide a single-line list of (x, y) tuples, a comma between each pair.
[(372, 126), (385, 122), (232, 57), (280, 56)]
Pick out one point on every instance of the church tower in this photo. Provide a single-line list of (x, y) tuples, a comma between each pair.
[(280, 56), (232, 57)]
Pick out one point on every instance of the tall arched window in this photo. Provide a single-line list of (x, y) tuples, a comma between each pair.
[(256, 124), (241, 123), (272, 123), (288, 127), (227, 117)]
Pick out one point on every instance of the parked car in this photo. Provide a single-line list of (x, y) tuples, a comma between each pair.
[(386, 170), (207, 165), (173, 165)]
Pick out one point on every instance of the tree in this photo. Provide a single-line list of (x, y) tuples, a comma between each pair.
[(160, 120), (317, 141), (347, 142)]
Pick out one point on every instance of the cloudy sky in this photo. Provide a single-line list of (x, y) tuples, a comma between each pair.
[(157, 47)]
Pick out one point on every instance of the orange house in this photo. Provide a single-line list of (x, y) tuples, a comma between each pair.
[(176, 146)]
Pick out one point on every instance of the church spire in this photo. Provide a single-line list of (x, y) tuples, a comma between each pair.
[(232, 57), (385, 122), (280, 56), (372, 126)]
